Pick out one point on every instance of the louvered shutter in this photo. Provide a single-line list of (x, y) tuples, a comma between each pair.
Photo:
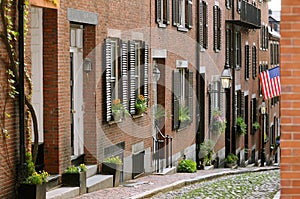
[(158, 11), (145, 72), (227, 54), (176, 97), (108, 65), (124, 71), (247, 62), (166, 12), (175, 12), (200, 21), (243, 105), (132, 63), (219, 28), (215, 20), (254, 65), (205, 32), (189, 13), (190, 95), (236, 106)]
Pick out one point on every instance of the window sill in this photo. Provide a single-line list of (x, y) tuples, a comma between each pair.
[(138, 116), (115, 122), (182, 29), (162, 25)]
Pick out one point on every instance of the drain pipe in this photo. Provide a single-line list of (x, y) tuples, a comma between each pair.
[(21, 90)]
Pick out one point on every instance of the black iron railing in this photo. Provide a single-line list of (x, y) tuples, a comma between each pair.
[(162, 148)]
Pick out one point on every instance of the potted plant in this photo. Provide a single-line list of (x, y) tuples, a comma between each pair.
[(218, 122), (33, 187), (206, 152), (184, 116), (112, 166), (230, 160), (141, 105), (187, 166), (255, 126), (75, 177), (118, 110), (241, 126)]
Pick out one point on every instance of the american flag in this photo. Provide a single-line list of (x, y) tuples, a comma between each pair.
[(270, 81)]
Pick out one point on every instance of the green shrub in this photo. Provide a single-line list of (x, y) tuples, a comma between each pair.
[(114, 160), (188, 166), (74, 169), (231, 158)]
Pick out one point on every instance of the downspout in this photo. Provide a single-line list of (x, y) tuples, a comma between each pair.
[(233, 131), (21, 90)]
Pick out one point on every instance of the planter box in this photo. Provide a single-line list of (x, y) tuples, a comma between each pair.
[(230, 165), (32, 191), (75, 180), (112, 169)]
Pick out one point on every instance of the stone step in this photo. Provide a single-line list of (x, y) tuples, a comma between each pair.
[(98, 182), (63, 193), (91, 170), (53, 181), (167, 171)]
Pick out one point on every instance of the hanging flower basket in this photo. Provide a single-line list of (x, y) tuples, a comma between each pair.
[(218, 123)]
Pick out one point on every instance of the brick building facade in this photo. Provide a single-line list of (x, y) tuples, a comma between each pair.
[(86, 56), (289, 100)]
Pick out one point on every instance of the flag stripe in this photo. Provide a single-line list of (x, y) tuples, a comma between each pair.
[(270, 81)]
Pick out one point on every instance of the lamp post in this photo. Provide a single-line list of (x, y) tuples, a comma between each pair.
[(263, 112), (226, 79)]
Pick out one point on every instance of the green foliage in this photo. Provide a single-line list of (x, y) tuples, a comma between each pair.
[(231, 158), (219, 122), (34, 177), (207, 150), (141, 104), (74, 169), (184, 114), (242, 125), (256, 125), (188, 166), (114, 160)]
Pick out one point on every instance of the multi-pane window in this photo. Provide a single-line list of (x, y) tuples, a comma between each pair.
[(182, 97), (274, 53), (253, 115), (228, 4), (264, 39), (126, 74), (238, 50), (254, 62), (247, 62), (203, 24), (162, 12), (182, 14), (217, 28)]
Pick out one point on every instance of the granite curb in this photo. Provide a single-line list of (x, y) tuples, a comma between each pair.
[(181, 183)]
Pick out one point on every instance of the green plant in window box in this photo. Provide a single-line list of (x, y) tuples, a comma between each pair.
[(141, 104), (241, 125), (255, 126), (75, 176), (118, 110), (218, 123), (184, 114), (112, 166)]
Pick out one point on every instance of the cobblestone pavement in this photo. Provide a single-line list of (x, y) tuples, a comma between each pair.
[(254, 185), (147, 186)]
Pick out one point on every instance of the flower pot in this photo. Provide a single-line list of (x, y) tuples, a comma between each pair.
[(117, 116), (112, 169), (230, 164), (32, 191), (75, 180)]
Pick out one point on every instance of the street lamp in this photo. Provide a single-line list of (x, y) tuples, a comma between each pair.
[(226, 79), (263, 112)]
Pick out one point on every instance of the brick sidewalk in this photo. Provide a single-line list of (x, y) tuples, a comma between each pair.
[(152, 184)]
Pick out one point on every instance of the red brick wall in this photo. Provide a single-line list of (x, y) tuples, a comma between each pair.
[(290, 129)]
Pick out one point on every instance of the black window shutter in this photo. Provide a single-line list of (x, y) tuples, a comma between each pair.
[(215, 28), (254, 64), (175, 12), (124, 61), (132, 92), (205, 40), (189, 14), (219, 28), (145, 71), (247, 62), (190, 96), (200, 26), (158, 11), (108, 61), (176, 97), (243, 105)]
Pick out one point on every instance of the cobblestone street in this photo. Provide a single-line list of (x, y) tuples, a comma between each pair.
[(250, 185), (249, 182)]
